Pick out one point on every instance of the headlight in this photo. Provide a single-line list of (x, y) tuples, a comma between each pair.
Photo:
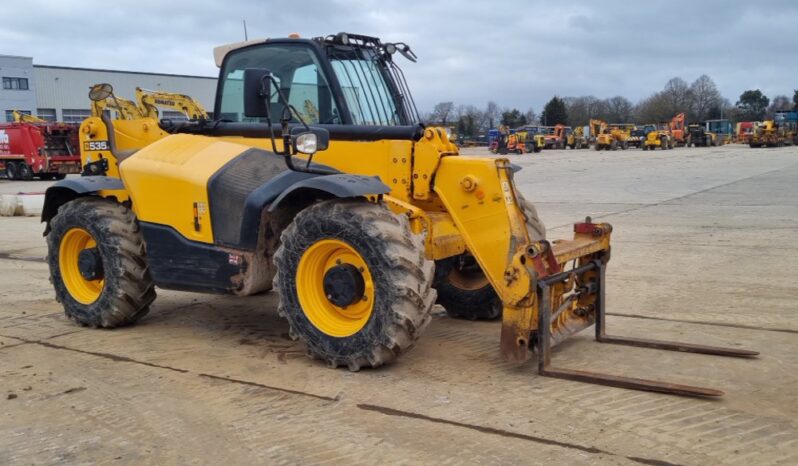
[(390, 48), (307, 143)]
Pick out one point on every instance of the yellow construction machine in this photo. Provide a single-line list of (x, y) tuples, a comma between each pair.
[(659, 136), (125, 109), (769, 134), (149, 101), (21, 117), (576, 139), (360, 219), (605, 136)]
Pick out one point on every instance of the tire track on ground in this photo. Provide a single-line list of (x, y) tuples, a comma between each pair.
[(321, 446)]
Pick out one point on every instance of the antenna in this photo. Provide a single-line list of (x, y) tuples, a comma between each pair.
[(245, 30)]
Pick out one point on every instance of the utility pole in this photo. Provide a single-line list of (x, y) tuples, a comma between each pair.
[(245, 30)]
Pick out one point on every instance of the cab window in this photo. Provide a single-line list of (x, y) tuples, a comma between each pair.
[(298, 74)]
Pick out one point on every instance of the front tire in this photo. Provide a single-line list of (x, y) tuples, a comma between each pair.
[(354, 283), (97, 263), (463, 289)]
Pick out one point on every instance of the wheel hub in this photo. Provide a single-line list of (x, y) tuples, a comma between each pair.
[(344, 285), (90, 264)]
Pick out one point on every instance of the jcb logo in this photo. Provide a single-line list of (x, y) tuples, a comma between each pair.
[(96, 145)]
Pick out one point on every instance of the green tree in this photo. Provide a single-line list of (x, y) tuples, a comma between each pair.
[(752, 105), (467, 125), (513, 118), (554, 113)]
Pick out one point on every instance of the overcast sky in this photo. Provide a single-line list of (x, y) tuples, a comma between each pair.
[(517, 53)]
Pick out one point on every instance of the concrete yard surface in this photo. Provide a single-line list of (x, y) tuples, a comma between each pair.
[(702, 252)]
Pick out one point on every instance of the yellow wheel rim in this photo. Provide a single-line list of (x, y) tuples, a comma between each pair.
[(329, 318), (74, 241)]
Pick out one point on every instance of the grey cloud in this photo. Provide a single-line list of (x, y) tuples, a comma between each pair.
[(517, 53)]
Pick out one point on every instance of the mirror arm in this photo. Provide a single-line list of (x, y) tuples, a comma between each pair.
[(287, 145)]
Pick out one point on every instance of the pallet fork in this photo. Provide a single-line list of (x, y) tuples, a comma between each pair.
[(571, 300)]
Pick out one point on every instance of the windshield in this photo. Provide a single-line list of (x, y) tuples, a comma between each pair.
[(298, 75), (364, 85)]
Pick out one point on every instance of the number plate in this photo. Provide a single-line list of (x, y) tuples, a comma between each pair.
[(96, 145)]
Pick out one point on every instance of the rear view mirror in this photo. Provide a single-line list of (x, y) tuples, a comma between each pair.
[(257, 92), (99, 92)]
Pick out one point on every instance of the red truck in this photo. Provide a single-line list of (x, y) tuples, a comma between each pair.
[(44, 150)]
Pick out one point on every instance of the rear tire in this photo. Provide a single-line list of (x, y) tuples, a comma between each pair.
[(463, 289), (12, 172), (125, 290), (395, 272), (25, 172)]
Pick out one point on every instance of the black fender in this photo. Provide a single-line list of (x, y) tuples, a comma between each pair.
[(286, 187), (68, 189), (340, 185)]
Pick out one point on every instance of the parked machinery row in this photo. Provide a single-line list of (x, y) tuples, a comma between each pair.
[(601, 135)]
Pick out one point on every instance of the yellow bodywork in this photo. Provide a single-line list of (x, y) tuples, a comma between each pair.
[(167, 181), (460, 203), (655, 139)]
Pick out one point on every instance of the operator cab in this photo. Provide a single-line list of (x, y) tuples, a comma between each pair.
[(344, 79)]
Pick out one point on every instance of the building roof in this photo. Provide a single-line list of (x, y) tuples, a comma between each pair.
[(124, 72), (15, 56)]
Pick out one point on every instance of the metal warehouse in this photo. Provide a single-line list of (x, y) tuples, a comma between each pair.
[(60, 93)]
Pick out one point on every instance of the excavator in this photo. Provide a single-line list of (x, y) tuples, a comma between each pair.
[(360, 225), (125, 109), (677, 130), (21, 117), (149, 101)]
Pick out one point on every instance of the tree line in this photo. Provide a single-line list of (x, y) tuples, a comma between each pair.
[(700, 100)]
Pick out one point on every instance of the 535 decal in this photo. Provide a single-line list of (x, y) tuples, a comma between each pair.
[(96, 145)]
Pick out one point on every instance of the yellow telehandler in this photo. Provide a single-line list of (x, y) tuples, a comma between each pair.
[(610, 137), (358, 215)]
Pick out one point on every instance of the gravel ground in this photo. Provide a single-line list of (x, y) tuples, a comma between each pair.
[(702, 252)]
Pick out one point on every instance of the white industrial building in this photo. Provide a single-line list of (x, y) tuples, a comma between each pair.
[(59, 93)]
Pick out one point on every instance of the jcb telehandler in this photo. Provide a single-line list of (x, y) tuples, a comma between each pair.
[(659, 136), (576, 138), (606, 137), (360, 217)]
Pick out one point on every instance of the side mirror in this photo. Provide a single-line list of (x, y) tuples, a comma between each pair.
[(309, 141), (99, 92), (257, 92)]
